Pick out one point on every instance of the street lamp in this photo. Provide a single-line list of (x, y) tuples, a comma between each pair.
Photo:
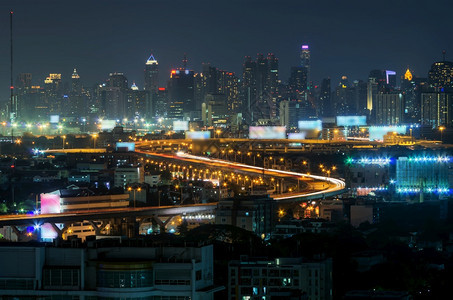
[(441, 128), (64, 138), (139, 189), (94, 140)]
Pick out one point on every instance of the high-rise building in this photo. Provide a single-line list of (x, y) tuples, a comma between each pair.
[(412, 87), (181, 94), (139, 104), (259, 91), (77, 105), (54, 93), (305, 60), (151, 75), (437, 109), (325, 104), (114, 96), (389, 109), (440, 76)]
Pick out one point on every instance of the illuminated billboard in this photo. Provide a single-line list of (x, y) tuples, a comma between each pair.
[(267, 132), (310, 125), (128, 146), (54, 119), (180, 125), (198, 135), (351, 121), (296, 136), (377, 132), (108, 124), (50, 203)]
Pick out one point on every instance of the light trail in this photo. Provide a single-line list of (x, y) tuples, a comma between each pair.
[(335, 185)]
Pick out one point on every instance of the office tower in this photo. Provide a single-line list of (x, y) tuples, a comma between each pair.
[(411, 87), (360, 97), (77, 105), (117, 80), (272, 85), (377, 82), (215, 110), (22, 88), (440, 76), (162, 103), (259, 90), (181, 94), (437, 109), (229, 86), (389, 108), (151, 75), (343, 98), (114, 96), (325, 104), (139, 104), (54, 93), (305, 60), (291, 112)]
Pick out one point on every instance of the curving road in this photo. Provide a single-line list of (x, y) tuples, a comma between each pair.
[(333, 186)]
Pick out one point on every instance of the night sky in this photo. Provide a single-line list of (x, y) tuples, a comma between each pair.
[(101, 36)]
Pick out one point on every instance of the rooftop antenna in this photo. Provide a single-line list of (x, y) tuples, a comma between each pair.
[(443, 54), (11, 87)]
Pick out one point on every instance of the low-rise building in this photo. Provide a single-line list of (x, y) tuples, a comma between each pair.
[(107, 270), (282, 278)]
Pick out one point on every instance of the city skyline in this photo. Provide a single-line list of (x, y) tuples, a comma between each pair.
[(96, 51)]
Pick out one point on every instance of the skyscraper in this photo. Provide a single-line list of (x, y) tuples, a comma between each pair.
[(54, 93), (151, 75), (181, 94), (305, 60), (441, 76), (260, 88)]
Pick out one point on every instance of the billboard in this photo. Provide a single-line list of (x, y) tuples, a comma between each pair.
[(198, 135), (108, 124), (267, 132), (180, 125), (296, 136), (377, 132), (129, 146), (54, 119), (50, 203), (351, 121), (310, 125)]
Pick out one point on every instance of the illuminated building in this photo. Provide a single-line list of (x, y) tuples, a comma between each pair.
[(113, 99), (305, 60), (281, 278), (181, 94), (325, 104), (215, 110), (139, 104), (54, 93), (437, 109), (128, 175), (291, 112), (366, 174), (440, 76), (77, 105), (411, 88), (151, 74), (260, 88), (107, 270), (388, 108), (343, 98), (253, 213), (423, 174), (161, 104)]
